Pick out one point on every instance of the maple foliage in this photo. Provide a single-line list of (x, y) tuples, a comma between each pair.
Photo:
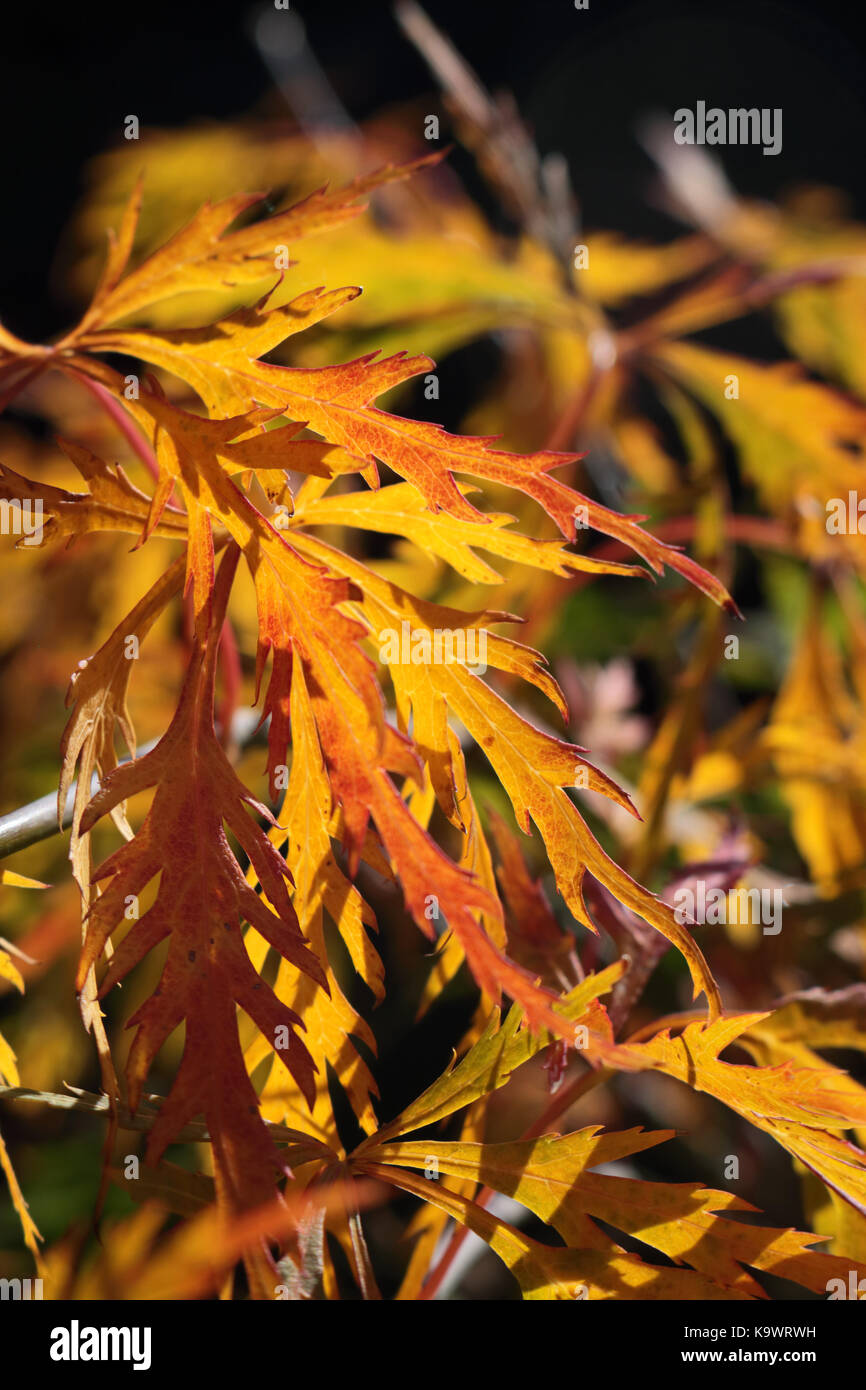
[(246, 919), (201, 901), (299, 604)]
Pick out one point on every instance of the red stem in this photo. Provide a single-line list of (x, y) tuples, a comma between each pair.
[(558, 1104), (28, 375), (230, 671), (128, 428)]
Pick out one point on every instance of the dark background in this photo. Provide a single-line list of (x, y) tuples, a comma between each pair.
[(69, 75)]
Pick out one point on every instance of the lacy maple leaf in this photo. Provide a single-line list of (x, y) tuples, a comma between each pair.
[(221, 431)]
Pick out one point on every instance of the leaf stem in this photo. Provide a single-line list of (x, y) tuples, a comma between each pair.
[(130, 431)]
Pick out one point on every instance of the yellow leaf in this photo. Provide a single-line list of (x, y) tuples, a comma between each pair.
[(551, 1177)]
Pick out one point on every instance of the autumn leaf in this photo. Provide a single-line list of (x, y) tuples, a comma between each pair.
[(202, 257), (552, 1177), (504, 1046), (814, 737), (9, 1077), (399, 771), (805, 1109), (201, 901), (401, 510), (112, 502), (331, 1023), (800, 442)]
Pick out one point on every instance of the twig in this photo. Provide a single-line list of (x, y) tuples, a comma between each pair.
[(115, 411), (38, 819), (89, 1103), (537, 191), (283, 46)]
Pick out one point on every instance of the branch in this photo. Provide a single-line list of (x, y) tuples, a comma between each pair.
[(38, 819), (90, 1103)]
